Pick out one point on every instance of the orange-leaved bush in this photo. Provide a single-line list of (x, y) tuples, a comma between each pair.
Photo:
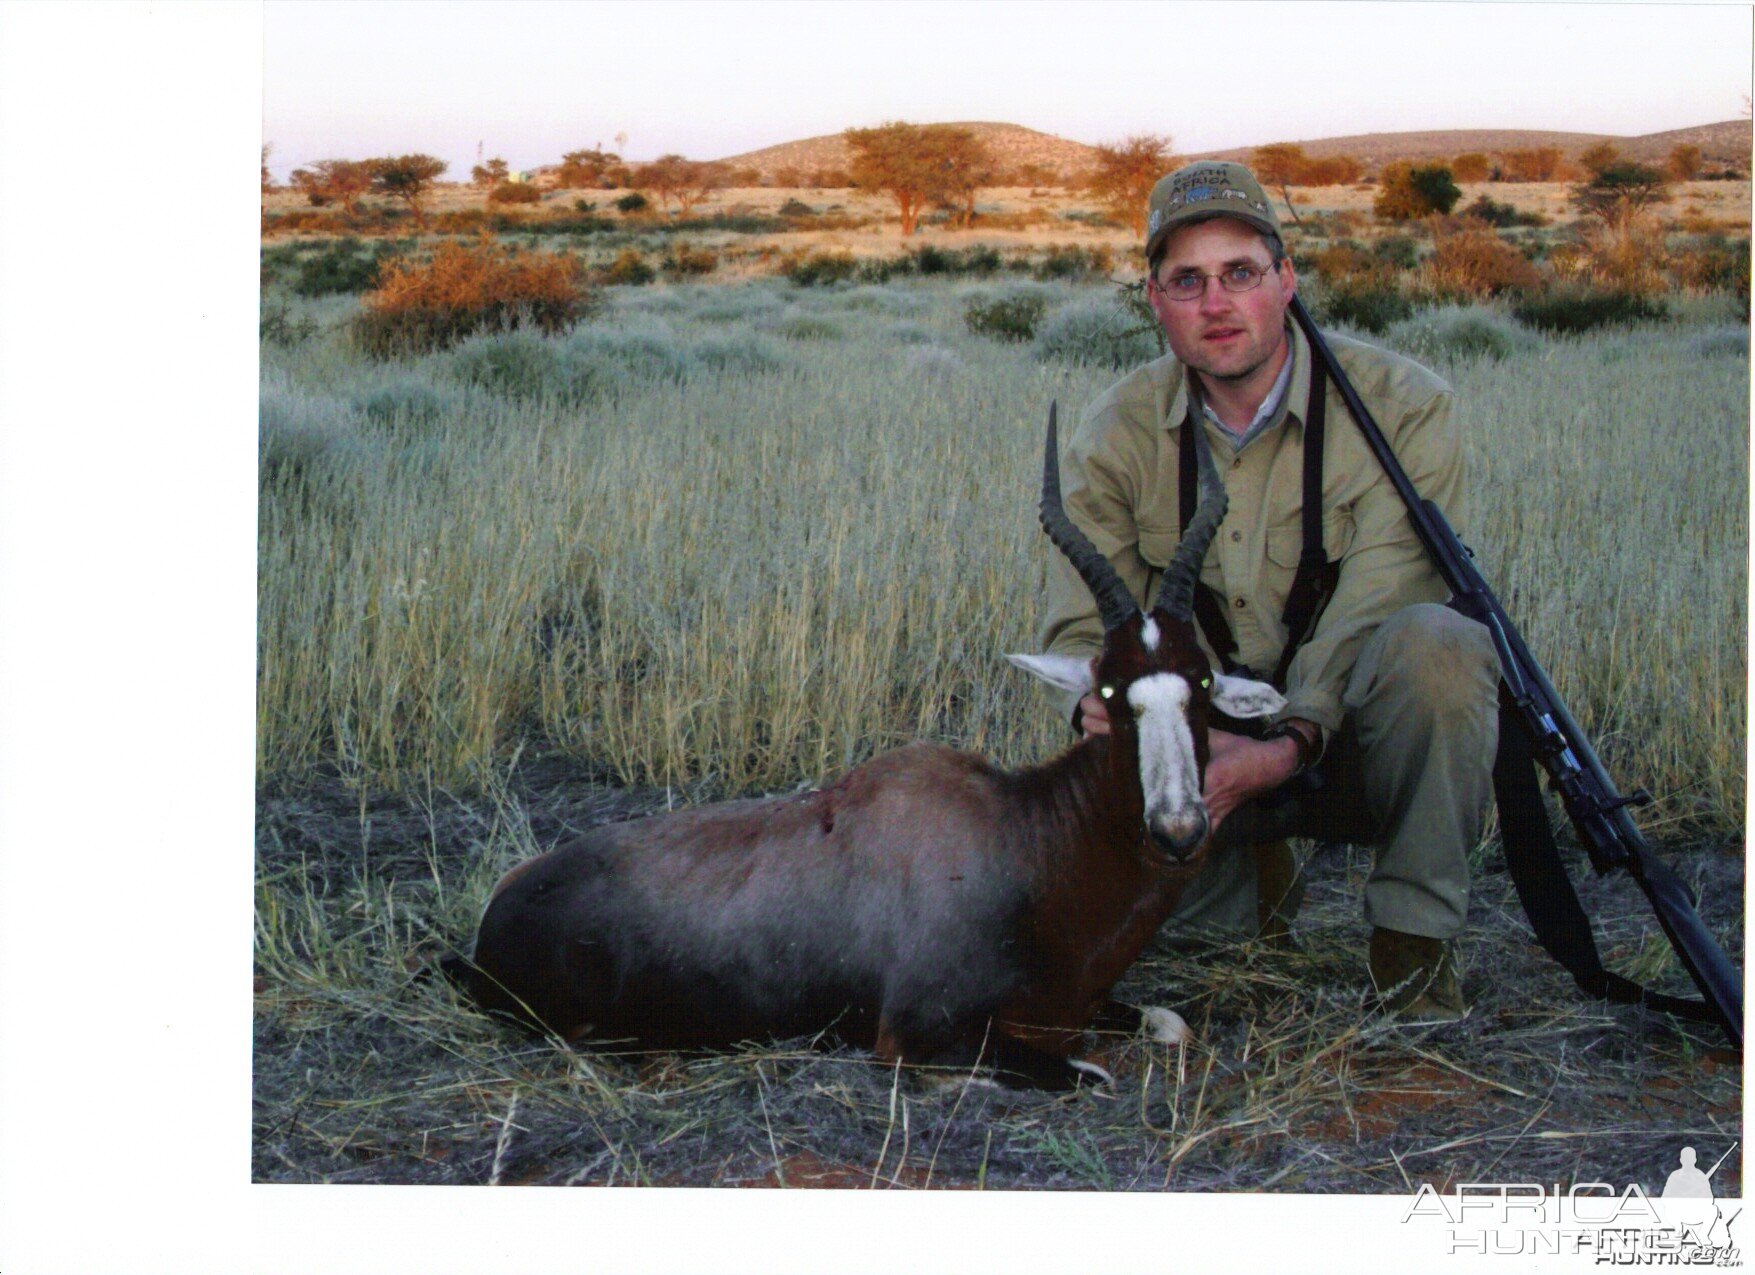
[(1478, 263), (463, 289)]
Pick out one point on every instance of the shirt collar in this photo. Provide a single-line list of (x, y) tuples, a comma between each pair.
[(1285, 401)]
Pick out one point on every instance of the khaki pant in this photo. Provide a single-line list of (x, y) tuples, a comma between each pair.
[(1409, 772)]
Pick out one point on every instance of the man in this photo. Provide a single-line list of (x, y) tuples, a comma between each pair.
[(1390, 691)]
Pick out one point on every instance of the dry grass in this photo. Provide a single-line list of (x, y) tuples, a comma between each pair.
[(477, 606), (365, 1075)]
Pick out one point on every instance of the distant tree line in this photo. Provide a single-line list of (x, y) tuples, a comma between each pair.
[(923, 167)]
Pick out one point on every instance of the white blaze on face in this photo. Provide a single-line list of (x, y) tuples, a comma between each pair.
[(1169, 775)]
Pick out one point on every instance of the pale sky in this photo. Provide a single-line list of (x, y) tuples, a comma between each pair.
[(531, 80)]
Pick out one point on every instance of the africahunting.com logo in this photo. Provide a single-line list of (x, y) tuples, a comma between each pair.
[(1684, 1226)]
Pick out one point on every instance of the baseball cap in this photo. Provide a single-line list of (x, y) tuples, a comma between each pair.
[(1210, 188)]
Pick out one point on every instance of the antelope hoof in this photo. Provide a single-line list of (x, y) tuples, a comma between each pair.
[(1165, 1026)]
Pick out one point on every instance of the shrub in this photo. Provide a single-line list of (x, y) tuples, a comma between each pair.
[(680, 261), (585, 205), (342, 266), (1008, 318), (1461, 331), (1501, 216), (1577, 308), (1723, 342), (1471, 167), (629, 269), (1103, 331), (633, 202), (882, 269), (797, 208), (409, 401), (278, 327), (1069, 261), (1368, 303), (515, 193), (1478, 263), (519, 365), (740, 352), (1399, 251), (464, 289), (1713, 264), (1343, 261), (808, 327), (598, 357), (1410, 191), (819, 269)]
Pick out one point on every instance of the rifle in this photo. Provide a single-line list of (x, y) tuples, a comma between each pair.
[(1543, 731)]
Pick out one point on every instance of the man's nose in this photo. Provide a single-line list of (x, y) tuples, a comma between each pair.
[(1213, 297)]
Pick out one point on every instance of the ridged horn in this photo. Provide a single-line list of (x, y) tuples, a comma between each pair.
[(1115, 605), (1176, 589)]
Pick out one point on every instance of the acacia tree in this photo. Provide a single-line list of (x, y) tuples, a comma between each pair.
[(1281, 164), (595, 169), (1124, 173), (912, 163), (491, 173), (687, 181), (408, 178), (335, 181), (965, 166)]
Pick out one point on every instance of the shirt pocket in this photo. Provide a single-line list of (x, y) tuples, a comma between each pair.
[(1286, 542)]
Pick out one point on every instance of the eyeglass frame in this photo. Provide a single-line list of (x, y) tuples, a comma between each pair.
[(1273, 267)]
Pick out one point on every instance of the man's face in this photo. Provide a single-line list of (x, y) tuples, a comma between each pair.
[(1228, 336)]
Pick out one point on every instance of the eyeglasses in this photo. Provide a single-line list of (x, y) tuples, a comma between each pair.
[(1188, 285)]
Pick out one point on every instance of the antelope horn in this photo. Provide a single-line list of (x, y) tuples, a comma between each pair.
[(1114, 603), (1176, 589)]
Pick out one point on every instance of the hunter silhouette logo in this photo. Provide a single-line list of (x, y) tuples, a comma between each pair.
[(1689, 1202), (1684, 1225)]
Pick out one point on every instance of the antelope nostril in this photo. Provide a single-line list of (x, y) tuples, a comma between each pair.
[(1180, 838)]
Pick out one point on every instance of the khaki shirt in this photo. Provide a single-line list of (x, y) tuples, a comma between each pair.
[(1118, 479)]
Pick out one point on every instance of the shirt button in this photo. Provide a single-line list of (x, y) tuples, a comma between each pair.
[(1237, 602), (1236, 536), (1237, 463)]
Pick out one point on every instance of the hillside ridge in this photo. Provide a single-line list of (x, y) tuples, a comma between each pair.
[(1726, 141)]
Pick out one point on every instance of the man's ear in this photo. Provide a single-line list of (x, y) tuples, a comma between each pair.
[(1242, 697), (1068, 672)]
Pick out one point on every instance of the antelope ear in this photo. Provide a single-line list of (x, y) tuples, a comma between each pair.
[(1241, 697), (1068, 672)]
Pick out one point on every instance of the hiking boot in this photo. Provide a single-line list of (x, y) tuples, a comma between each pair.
[(1279, 889), (1415, 978)]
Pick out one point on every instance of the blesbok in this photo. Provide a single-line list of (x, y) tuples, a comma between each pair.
[(928, 905)]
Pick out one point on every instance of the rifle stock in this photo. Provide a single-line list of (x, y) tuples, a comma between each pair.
[(1597, 810)]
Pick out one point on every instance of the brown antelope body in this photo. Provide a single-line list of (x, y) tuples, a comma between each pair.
[(929, 906)]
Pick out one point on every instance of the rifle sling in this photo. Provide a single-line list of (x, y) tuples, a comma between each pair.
[(1313, 583), (1533, 860)]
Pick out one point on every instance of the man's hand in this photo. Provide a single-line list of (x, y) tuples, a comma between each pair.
[(1239, 768), (1093, 716)]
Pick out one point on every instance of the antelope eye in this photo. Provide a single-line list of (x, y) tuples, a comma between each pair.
[(1107, 691)]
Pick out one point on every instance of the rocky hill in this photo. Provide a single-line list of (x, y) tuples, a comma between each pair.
[(1726, 143), (1021, 149), (1015, 147)]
